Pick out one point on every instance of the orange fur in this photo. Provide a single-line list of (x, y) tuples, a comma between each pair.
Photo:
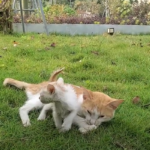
[(102, 102), (33, 88), (98, 101)]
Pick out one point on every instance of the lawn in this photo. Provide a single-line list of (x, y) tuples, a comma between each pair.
[(117, 65)]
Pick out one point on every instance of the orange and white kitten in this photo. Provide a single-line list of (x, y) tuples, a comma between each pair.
[(33, 93), (96, 107)]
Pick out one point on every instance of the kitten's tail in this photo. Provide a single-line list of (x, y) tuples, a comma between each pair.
[(53, 76), (16, 83), (24, 85)]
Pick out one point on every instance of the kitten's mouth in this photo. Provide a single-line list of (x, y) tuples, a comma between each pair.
[(44, 100)]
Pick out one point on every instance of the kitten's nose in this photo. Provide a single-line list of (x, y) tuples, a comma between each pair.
[(92, 122)]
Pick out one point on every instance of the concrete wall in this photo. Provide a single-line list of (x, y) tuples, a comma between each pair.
[(82, 29)]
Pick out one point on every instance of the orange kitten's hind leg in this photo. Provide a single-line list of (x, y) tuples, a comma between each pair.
[(16, 83)]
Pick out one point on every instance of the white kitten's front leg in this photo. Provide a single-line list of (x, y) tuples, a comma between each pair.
[(44, 110), (68, 121), (57, 119)]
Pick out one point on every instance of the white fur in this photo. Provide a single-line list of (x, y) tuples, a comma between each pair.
[(66, 98), (95, 118), (67, 105), (32, 103)]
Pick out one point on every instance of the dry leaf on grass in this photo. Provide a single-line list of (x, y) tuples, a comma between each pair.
[(136, 100)]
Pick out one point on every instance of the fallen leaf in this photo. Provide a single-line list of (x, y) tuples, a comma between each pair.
[(53, 45), (136, 100), (113, 63), (133, 44), (95, 52)]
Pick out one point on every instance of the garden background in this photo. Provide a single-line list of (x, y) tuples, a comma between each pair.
[(88, 12)]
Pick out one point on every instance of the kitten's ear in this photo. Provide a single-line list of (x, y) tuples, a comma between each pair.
[(87, 95), (51, 88), (114, 104), (60, 80)]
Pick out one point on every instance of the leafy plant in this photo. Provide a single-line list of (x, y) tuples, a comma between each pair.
[(124, 9), (69, 11), (120, 13)]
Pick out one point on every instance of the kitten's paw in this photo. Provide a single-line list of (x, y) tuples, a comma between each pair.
[(6, 81), (88, 128), (26, 123), (41, 117), (92, 127), (64, 129), (83, 130)]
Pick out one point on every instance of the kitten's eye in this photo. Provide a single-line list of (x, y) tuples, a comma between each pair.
[(101, 116), (89, 112)]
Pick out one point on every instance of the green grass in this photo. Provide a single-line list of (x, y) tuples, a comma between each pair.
[(116, 65)]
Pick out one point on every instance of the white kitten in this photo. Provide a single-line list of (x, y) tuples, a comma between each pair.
[(67, 104)]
